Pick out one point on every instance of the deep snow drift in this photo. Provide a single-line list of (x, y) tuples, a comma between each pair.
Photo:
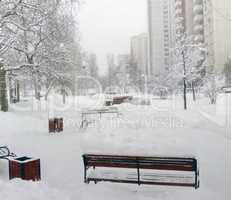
[(162, 128)]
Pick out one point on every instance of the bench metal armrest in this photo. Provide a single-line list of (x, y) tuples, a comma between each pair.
[(5, 153)]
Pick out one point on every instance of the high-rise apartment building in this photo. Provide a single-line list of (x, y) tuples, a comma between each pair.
[(111, 66), (139, 54), (218, 28), (209, 22), (161, 35), (122, 71)]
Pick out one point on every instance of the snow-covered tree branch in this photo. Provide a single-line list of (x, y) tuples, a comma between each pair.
[(41, 39), (189, 59)]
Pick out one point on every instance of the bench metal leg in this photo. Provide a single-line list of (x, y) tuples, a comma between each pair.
[(197, 181), (138, 171), (85, 174), (85, 170)]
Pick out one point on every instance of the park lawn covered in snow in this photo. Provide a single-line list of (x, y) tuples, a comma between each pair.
[(160, 129)]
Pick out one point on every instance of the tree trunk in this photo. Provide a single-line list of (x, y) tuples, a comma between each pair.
[(49, 86), (64, 98), (63, 92), (185, 85), (213, 98), (193, 91), (3, 90), (18, 91), (214, 90), (11, 90), (36, 90), (185, 94), (35, 78)]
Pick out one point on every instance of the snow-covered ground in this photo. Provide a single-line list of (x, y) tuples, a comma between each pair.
[(162, 128)]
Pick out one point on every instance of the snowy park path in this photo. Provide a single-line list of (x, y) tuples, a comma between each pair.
[(141, 130)]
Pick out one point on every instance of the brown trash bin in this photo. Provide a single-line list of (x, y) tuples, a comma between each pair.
[(59, 124), (55, 125), (51, 126), (25, 168)]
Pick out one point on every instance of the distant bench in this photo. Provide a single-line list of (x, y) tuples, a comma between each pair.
[(184, 171), (118, 100), (99, 112), (121, 99)]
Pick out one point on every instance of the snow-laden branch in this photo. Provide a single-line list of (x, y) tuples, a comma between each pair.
[(4, 46), (11, 11), (41, 43)]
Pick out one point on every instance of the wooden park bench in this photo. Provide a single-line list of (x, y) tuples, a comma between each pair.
[(96, 112), (169, 171), (121, 99)]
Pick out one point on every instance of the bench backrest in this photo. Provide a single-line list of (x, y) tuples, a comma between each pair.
[(157, 163), (122, 99), (112, 110)]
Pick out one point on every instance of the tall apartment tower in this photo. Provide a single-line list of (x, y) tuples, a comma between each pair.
[(189, 21), (189, 18), (208, 21), (161, 35), (139, 53), (218, 28)]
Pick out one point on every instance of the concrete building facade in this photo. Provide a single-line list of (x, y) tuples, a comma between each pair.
[(210, 24), (161, 35), (220, 12), (139, 53), (122, 74)]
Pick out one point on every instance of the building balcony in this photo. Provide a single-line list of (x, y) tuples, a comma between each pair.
[(198, 2), (198, 29), (178, 12), (179, 20), (198, 9), (178, 4), (178, 1), (199, 38), (198, 19)]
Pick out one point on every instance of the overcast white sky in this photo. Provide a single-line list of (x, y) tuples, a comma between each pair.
[(107, 25)]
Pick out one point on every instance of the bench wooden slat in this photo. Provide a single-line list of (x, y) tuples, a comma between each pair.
[(181, 164), (141, 182), (91, 156), (141, 158), (156, 166), (141, 161)]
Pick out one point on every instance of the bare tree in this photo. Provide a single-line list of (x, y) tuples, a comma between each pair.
[(7, 14), (212, 85), (189, 58), (43, 41)]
